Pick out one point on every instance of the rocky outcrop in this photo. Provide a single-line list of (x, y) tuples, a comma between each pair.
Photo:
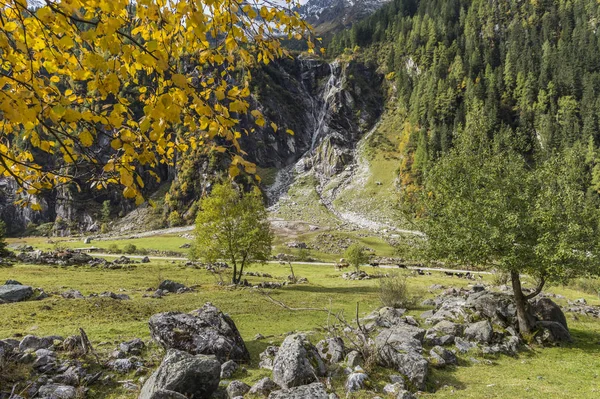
[(195, 377), (297, 362), (206, 331)]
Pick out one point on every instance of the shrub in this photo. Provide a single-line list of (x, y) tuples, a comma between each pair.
[(114, 249), (104, 228), (175, 219), (129, 249), (143, 251), (393, 292)]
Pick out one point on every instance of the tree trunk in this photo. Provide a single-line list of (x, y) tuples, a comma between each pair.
[(521, 304), (234, 279)]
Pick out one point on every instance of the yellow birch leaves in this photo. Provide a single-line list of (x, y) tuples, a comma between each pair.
[(117, 88)]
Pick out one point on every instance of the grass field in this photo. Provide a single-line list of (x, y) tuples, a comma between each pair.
[(570, 371)]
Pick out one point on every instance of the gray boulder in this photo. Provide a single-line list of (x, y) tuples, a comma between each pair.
[(463, 346), (545, 309), (166, 394), (171, 286), (228, 369), (312, 391), (297, 362), (495, 306), (267, 357), (332, 350), (552, 332), (196, 377), (441, 357), (33, 343), (481, 331), (264, 387), (205, 331), (57, 391), (401, 349), (15, 293), (404, 394), (237, 388), (446, 327), (356, 381)]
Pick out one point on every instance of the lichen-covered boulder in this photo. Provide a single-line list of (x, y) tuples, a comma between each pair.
[(332, 350), (206, 331), (312, 391), (196, 377), (297, 362)]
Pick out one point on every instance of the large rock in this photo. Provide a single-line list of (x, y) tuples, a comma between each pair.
[(494, 306), (15, 293), (545, 309), (332, 350), (195, 377), (446, 327), (401, 348), (57, 391), (167, 395), (481, 331), (297, 362), (552, 332), (205, 331), (236, 389), (171, 286), (312, 391)]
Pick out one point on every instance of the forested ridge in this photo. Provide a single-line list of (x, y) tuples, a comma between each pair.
[(525, 71)]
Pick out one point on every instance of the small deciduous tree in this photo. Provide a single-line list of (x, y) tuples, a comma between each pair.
[(356, 255), (233, 226), (485, 204)]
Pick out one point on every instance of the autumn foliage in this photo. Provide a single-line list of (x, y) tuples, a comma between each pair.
[(70, 71)]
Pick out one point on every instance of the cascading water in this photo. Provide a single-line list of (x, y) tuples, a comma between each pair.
[(332, 88), (317, 117)]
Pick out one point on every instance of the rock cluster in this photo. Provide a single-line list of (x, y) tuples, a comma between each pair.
[(71, 258)]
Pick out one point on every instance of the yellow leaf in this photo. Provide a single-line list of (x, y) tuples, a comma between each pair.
[(234, 171), (10, 26), (274, 126), (179, 80), (290, 132), (86, 138)]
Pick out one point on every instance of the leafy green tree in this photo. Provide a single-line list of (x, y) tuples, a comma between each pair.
[(233, 226), (3, 244), (356, 255), (485, 204), (105, 212)]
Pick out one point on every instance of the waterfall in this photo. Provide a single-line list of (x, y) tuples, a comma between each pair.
[(318, 117), (332, 88)]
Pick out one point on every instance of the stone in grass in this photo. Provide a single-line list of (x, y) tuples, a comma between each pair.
[(267, 357), (315, 390), (264, 387), (481, 331), (57, 391), (356, 381), (441, 357), (297, 362), (196, 377), (228, 369), (331, 349), (206, 331), (237, 388), (15, 293), (171, 286)]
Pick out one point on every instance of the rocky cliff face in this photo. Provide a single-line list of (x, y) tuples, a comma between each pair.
[(328, 106)]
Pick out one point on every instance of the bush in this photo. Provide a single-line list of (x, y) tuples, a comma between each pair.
[(175, 219), (114, 249), (393, 292), (143, 251), (104, 228), (45, 229), (129, 249)]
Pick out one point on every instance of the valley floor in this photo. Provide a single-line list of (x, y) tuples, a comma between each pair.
[(569, 371)]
